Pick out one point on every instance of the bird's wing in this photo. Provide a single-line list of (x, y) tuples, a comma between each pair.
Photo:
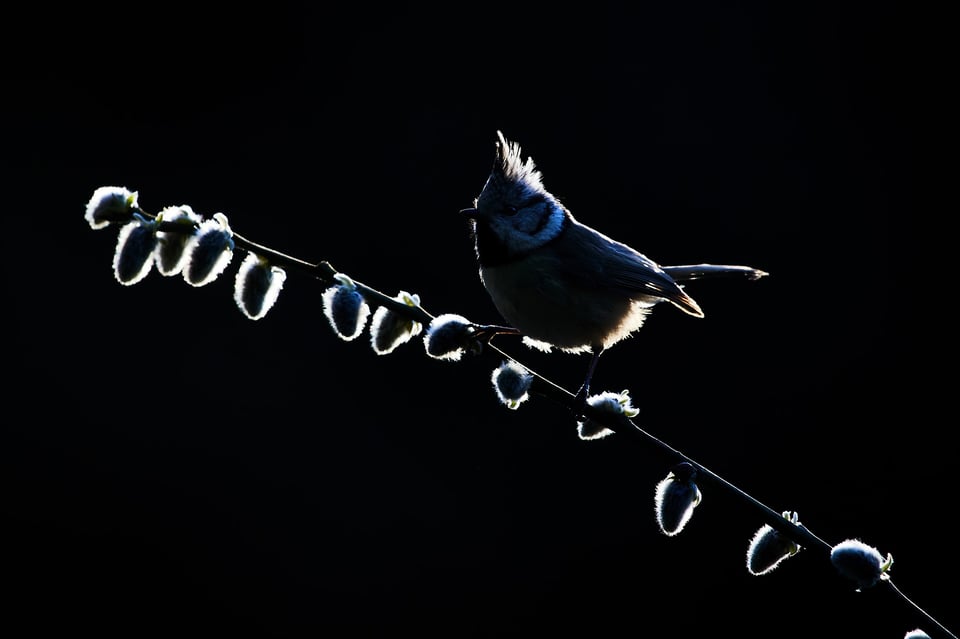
[(632, 271), (644, 276)]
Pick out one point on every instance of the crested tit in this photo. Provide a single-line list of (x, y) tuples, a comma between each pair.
[(559, 282)]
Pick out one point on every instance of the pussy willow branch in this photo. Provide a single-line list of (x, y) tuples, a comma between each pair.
[(543, 387)]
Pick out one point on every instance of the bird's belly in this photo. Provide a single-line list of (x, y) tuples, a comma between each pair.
[(563, 311)]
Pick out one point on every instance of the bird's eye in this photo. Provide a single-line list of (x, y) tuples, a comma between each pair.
[(510, 210)]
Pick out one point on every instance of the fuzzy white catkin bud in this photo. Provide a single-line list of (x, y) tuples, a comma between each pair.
[(589, 430), (133, 257), (110, 204), (768, 547), (862, 564), (209, 251), (675, 498), (171, 246), (511, 381), (615, 405), (257, 286), (448, 336), (345, 308), (389, 329), (916, 634)]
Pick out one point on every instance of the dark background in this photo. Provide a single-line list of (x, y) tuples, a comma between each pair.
[(171, 468)]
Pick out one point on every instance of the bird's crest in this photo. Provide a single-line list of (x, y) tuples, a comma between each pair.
[(511, 166)]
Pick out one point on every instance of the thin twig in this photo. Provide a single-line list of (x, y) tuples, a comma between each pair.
[(543, 387)]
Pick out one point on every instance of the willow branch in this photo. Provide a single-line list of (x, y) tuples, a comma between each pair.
[(544, 388)]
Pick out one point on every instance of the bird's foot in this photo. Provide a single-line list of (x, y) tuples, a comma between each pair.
[(580, 401), (486, 332)]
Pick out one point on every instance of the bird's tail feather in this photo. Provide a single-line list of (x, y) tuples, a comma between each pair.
[(691, 272)]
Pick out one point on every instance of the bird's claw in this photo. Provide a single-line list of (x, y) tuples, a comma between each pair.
[(580, 401), (483, 333)]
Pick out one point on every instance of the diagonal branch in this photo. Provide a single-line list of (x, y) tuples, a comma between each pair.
[(543, 387)]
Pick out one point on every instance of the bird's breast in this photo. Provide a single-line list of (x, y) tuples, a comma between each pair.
[(547, 300)]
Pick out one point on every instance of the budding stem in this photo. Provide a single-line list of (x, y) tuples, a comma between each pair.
[(543, 387)]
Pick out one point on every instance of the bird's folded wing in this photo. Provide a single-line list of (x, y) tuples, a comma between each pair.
[(644, 276)]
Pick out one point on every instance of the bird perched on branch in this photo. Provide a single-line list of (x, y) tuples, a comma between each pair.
[(559, 282)]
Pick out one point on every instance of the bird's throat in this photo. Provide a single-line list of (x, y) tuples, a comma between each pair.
[(496, 249)]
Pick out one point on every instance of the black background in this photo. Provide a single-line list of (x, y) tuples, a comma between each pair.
[(171, 468)]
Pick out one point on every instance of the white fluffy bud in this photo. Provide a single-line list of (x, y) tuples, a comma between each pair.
[(345, 308), (448, 336), (257, 286), (389, 329), (209, 251), (133, 258), (675, 498), (511, 381), (171, 245), (769, 547), (615, 405), (110, 204), (862, 564)]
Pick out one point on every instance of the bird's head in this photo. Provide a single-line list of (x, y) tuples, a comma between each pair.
[(512, 179), (514, 211)]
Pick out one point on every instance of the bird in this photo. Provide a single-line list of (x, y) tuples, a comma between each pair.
[(559, 282)]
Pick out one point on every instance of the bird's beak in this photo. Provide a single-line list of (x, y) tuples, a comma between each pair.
[(470, 213)]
